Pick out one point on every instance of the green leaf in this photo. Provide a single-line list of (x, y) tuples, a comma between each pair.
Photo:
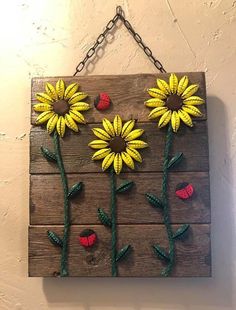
[(160, 252), (181, 231), (175, 160), (50, 156), (123, 252), (75, 189), (54, 238), (125, 186), (154, 200), (104, 218)]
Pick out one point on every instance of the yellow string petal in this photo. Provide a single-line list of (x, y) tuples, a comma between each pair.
[(117, 163), (128, 126), (100, 154), (107, 161), (156, 93), (108, 127), (80, 106), (185, 118), (71, 90), (117, 124), (164, 120), (163, 86), (173, 81), (43, 117), (77, 97), (71, 123), (183, 83), (137, 144), (51, 91), (44, 98), (98, 144), (193, 100), (134, 134), (101, 134), (42, 107), (175, 121), (134, 154), (60, 89), (61, 126), (155, 113), (51, 124), (127, 160), (154, 103), (191, 90), (77, 116), (192, 110)]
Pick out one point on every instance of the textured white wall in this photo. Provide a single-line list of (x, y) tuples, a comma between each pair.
[(46, 38)]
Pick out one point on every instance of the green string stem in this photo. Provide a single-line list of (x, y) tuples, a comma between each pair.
[(166, 217), (113, 223), (66, 232)]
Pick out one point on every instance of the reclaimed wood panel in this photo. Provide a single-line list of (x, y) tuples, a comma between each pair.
[(193, 256), (128, 92), (139, 224), (46, 205), (193, 142)]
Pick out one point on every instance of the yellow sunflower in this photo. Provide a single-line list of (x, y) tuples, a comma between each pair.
[(118, 143), (61, 107), (174, 102)]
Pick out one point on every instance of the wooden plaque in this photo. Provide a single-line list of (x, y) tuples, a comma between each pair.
[(138, 223)]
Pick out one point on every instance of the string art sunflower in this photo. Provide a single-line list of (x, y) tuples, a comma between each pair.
[(172, 103), (117, 143), (61, 107)]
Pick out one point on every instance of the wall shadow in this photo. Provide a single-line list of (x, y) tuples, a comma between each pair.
[(100, 50), (171, 293)]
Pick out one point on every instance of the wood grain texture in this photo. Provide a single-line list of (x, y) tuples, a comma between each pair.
[(193, 253), (139, 224), (46, 203), (128, 92), (193, 142)]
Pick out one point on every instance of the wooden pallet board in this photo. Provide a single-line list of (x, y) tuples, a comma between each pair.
[(193, 253), (195, 210), (138, 223), (193, 142), (128, 92)]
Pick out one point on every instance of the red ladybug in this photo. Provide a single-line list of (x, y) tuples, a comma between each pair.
[(87, 238), (184, 190), (102, 102)]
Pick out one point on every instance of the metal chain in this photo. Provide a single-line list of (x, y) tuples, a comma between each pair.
[(110, 25)]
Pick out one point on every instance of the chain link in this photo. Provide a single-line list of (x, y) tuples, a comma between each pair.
[(110, 25)]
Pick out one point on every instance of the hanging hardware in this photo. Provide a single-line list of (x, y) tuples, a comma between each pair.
[(110, 25)]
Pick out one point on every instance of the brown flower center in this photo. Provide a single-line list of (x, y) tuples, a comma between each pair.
[(174, 102), (117, 144), (61, 107)]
